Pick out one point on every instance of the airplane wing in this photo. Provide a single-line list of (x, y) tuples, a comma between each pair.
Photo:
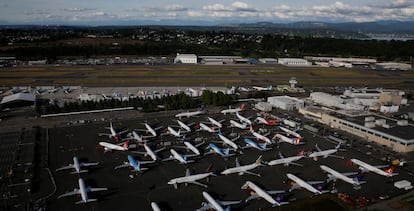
[(296, 164), (251, 197), (225, 203), (199, 144), (104, 134), (206, 206), (124, 131), (90, 164), (74, 192), (198, 183), (122, 166), (275, 191), (70, 166), (158, 150), (168, 159), (314, 182), (96, 189)]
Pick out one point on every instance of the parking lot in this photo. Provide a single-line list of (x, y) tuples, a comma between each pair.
[(129, 191)]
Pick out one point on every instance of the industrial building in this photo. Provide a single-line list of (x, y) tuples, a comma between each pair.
[(393, 66), (268, 61), (19, 99), (393, 133), (339, 59), (263, 106), (285, 102), (186, 58), (293, 62), (214, 60)]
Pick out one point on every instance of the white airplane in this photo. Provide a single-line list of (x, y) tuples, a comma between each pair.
[(215, 204), (114, 134), (120, 147), (238, 125), (207, 128), (294, 141), (184, 126), (138, 138), (252, 144), (376, 169), (229, 142), (260, 193), (155, 206), (77, 166), (150, 152), (287, 161), (244, 89), (215, 149), (234, 110), (180, 158), (244, 169), (189, 114), (243, 119), (260, 136), (83, 191), (188, 178), (173, 132), (135, 164), (259, 88), (262, 120), (325, 153), (291, 132), (191, 147), (152, 130), (215, 122), (333, 175), (307, 185)]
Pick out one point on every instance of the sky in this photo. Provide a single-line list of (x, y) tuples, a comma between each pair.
[(208, 12)]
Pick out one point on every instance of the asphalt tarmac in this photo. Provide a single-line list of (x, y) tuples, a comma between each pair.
[(126, 193)]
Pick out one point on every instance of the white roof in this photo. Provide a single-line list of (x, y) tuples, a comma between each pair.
[(18, 97)]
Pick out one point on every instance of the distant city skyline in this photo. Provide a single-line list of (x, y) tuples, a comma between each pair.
[(206, 12)]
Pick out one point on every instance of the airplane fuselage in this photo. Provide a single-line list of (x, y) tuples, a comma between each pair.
[(184, 126), (253, 144), (371, 168), (215, 122), (238, 125), (323, 153), (213, 202), (303, 184), (192, 148), (285, 161), (228, 142), (190, 178), (83, 190), (243, 119), (109, 146), (260, 192), (338, 175), (240, 169)]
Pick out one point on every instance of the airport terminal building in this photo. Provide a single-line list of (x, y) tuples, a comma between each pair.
[(396, 134)]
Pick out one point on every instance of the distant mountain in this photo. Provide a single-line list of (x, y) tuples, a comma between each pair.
[(363, 27)]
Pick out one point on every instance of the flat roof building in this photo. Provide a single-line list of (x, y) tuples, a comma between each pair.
[(293, 62), (286, 102), (186, 58)]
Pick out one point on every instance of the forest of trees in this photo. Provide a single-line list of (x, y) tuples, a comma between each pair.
[(174, 102)]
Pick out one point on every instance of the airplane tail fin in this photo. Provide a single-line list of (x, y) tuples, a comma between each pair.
[(390, 170), (251, 129), (259, 160), (209, 169), (226, 151), (126, 145), (301, 153), (243, 107), (338, 146), (297, 141)]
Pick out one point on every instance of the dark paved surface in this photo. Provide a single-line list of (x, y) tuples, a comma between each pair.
[(136, 194)]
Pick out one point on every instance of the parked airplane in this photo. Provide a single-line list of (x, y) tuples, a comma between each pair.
[(259, 88), (262, 120), (155, 206), (244, 89), (325, 153), (234, 110), (333, 175), (291, 132), (135, 164), (138, 138), (252, 144), (287, 161), (215, 204), (120, 147), (376, 169), (238, 125), (150, 152), (151, 130), (294, 141), (77, 166), (114, 134), (191, 147), (244, 169), (307, 185), (215, 122), (83, 191), (189, 114), (188, 178), (229, 142), (173, 132), (215, 149), (207, 128), (184, 126), (260, 136), (243, 119), (180, 158), (260, 193)]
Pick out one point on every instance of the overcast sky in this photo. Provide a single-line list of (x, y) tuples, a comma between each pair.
[(215, 11)]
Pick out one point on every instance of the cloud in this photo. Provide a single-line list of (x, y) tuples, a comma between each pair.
[(167, 8), (37, 12), (75, 9), (4, 5), (396, 4)]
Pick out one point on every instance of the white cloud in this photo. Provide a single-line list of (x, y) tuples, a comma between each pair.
[(75, 9)]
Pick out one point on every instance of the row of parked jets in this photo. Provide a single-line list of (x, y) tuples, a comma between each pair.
[(239, 169)]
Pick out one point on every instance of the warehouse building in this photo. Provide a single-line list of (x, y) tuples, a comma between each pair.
[(286, 102), (17, 100), (393, 133), (293, 62), (186, 58)]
